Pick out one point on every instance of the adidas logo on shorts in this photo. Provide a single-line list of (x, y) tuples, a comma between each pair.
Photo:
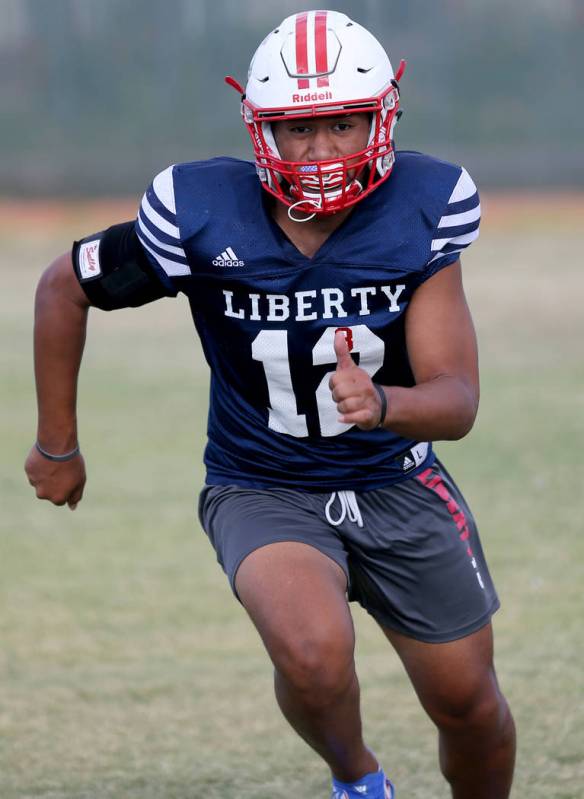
[(227, 258)]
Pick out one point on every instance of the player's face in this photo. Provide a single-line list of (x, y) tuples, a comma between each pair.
[(326, 139)]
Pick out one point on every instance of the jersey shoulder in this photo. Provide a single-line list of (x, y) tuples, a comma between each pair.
[(430, 183), (444, 196), (213, 169), (182, 199), (218, 188)]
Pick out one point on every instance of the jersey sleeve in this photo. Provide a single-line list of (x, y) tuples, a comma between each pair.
[(158, 230), (457, 227)]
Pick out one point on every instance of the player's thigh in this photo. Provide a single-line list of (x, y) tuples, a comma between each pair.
[(286, 565), (455, 680), (295, 595)]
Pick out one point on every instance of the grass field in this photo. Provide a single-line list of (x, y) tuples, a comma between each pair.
[(127, 671)]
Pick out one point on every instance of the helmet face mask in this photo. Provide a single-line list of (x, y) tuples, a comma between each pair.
[(314, 65)]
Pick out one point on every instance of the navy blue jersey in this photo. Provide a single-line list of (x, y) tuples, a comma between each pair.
[(267, 315)]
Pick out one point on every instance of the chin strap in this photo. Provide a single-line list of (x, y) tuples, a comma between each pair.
[(354, 189), (291, 216)]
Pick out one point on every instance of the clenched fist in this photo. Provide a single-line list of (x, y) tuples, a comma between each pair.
[(358, 400), (60, 483)]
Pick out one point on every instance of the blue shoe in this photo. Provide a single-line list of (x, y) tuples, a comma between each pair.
[(371, 786)]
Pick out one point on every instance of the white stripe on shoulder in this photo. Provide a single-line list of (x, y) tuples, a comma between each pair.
[(464, 188), (437, 244), (161, 244), (454, 220), (442, 254), (163, 185), (172, 268), (159, 221)]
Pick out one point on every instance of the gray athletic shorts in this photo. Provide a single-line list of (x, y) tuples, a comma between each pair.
[(411, 551)]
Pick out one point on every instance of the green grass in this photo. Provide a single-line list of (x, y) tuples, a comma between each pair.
[(127, 671)]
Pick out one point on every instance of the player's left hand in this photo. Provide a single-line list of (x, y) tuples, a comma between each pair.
[(353, 391)]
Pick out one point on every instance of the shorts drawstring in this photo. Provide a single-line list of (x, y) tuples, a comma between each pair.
[(349, 508)]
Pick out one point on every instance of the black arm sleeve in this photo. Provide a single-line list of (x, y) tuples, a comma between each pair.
[(114, 271)]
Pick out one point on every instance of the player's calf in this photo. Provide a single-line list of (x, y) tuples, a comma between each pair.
[(477, 749)]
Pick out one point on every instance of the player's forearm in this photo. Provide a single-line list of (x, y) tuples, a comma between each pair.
[(59, 338), (441, 409)]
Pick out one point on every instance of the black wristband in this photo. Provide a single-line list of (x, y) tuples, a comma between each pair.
[(67, 456), (383, 400)]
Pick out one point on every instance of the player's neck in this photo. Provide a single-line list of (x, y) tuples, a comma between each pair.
[(308, 237)]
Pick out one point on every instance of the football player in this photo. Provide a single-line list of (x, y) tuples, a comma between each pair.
[(325, 285)]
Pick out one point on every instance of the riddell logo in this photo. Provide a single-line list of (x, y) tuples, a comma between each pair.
[(311, 96)]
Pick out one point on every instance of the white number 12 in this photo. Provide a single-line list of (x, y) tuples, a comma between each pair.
[(270, 347)]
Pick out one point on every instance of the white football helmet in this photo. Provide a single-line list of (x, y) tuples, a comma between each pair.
[(318, 64)]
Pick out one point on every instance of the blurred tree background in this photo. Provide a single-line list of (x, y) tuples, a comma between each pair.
[(97, 96)]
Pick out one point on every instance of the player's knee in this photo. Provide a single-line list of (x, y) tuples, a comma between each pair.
[(476, 707), (472, 699), (320, 667)]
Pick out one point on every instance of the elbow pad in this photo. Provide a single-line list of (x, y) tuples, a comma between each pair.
[(114, 271)]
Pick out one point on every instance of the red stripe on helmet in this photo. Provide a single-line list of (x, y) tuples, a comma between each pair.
[(302, 49), (320, 46)]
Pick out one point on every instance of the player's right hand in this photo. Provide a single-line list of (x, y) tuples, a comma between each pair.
[(60, 483), (352, 389)]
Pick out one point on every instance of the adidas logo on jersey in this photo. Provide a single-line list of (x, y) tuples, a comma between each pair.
[(415, 456), (227, 258)]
